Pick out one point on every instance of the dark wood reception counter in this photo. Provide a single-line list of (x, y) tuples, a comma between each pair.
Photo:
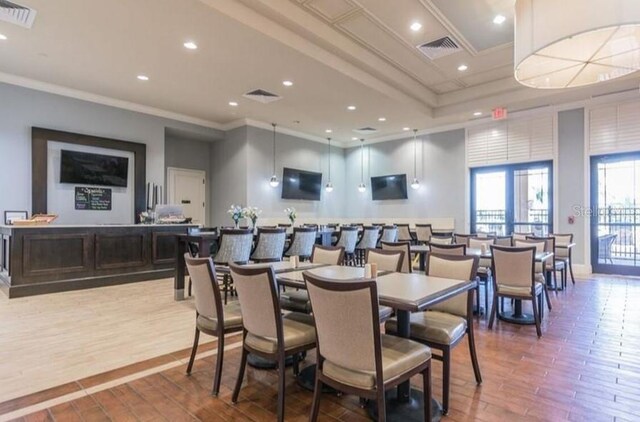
[(45, 259)]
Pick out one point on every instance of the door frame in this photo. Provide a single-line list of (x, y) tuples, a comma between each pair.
[(171, 188)]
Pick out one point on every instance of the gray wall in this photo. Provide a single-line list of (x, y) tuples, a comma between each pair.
[(440, 169), (571, 179), (24, 108)]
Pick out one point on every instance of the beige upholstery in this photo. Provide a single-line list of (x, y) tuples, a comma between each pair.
[(456, 250), (404, 234), (540, 246), (385, 261), (400, 246), (328, 256), (458, 269), (520, 236), (423, 233), (476, 243), (513, 269), (232, 319), (438, 240), (297, 330), (433, 326), (203, 281), (519, 291), (399, 355), (503, 241), (462, 239), (255, 294)]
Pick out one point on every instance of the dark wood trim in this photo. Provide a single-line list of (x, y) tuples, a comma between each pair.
[(27, 259), (39, 141), (99, 250)]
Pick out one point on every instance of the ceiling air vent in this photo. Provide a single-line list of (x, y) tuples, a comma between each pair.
[(16, 14), (366, 130), (439, 48), (262, 96)]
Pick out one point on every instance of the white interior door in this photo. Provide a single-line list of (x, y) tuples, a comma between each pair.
[(187, 188)]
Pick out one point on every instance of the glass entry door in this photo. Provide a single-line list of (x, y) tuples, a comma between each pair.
[(514, 198), (615, 214)]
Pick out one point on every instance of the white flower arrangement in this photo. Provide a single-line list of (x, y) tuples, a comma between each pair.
[(292, 214), (252, 213), (236, 212)]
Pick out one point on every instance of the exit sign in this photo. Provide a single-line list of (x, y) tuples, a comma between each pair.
[(499, 113)]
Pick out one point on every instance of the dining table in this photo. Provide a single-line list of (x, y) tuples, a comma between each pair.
[(405, 293)]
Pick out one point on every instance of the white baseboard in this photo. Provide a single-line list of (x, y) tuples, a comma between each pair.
[(582, 269)]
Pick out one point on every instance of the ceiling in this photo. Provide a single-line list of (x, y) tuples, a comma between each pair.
[(336, 52)]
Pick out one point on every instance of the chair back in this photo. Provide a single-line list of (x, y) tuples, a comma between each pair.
[(540, 245), (484, 235), (369, 237), (457, 250), (513, 266), (549, 242), (461, 238), (404, 233), (389, 234), (400, 246), (235, 246), (423, 233), (302, 242), (441, 240), (331, 255), (379, 224), (454, 267), (503, 241), (270, 244), (387, 260), (348, 238), (354, 342), (476, 242), (521, 236), (258, 297), (284, 225), (205, 287), (310, 225), (562, 241)]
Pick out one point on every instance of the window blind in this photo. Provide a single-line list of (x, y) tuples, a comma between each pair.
[(614, 128)]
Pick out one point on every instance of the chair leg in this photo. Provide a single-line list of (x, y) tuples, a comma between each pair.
[(382, 407), (546, 294), (478, 297), (281, 382), (486, 297), (315, 404), (426, 389), (573, 280), (219, 359), (190, 284), (296, 364), (446, 378), (194, 349), (225, 280), (493, 310), (536, 316), (474, 356), (243, 364)]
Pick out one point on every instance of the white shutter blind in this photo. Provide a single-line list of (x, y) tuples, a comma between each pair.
[(511, 141), (614, 128)]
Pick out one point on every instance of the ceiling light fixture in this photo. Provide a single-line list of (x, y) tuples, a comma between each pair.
[(415, 184), (274, 182), (233, 104), (499, 19), (362, 187), (406, 128), (354, 139), (599, 43), (190, 45), (351, 107), (329, 186), (382, 119), (477, 113), (143, 77), (416, 26), (3, 37), (463, 67), (287, 83), (328, 131)]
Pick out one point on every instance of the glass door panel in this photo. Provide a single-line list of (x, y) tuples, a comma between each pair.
[(490, 202), (531, 203)]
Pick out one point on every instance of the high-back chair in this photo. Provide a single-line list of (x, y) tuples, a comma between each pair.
[(504, 241), (513, 271), (386, 260), (460, 238), (330, 255), (302, 242), (400, 246), (484, 235), (521, 236), (553, 265), (235, 246), (445, 324), (563, 253), (404, 233), (457, 250), (267, 333), (368, 240), (212, 317), (348, 238), (541, 246), (269, 245), (441, 240), (352, 355), (423, 233), (388, 234)]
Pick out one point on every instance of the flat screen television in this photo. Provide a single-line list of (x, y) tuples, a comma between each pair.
[(93, 169), (301, 184), (389, 187)]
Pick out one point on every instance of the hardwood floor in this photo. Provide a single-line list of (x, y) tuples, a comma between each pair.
[(584, 368)]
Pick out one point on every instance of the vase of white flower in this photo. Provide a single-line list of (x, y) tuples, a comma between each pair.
[(236, 212), (253, 213), (292, 214)]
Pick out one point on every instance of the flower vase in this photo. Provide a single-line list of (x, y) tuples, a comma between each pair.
[(236, 224)]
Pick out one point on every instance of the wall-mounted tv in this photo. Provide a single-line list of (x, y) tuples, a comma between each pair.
[(389, 187), (93, 169), (301, 184)]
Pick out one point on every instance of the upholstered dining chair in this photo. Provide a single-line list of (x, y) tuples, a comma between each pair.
[(444, 325), (458, 250), (266, 332), (400, 246), (514, 278), (302, 242), (269, 245), (441, 240), (348, 238), (352, 355), (368, 240), (563, 253), (235, 246), (423, 233), (503, 241), (460, 238), (404, 233), (484, 265), (212, 317), (386, 260), (388, 234), (541, 246), (298, 300), (484, 235), (521, 236), (554, 265)]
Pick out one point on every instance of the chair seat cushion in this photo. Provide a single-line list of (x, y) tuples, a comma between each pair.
[(232, 319), (399, 355), (385, 313), (298, 331), (557, 265), (295, 301), (296, 295), (518, 291), (433, 326)]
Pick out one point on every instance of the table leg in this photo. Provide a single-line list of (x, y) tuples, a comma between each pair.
[(423, 261), (517, 317), (178, 281)]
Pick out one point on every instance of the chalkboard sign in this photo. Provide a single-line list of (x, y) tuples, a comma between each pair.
[(93, 199)]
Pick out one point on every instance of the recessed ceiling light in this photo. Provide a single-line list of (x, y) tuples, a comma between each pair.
[(499, 19), (3, 37), (477, 113), (287, 83), (416, 26), (328, 131), (382, 119), (190, 45), (143, 77), (354, 139), (351, 107), (406, 128), (463, 67), (233, 104)]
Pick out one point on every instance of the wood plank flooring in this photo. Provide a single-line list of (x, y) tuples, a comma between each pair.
[(585, 368)]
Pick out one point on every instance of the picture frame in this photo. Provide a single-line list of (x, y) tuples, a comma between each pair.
[(10, 216)]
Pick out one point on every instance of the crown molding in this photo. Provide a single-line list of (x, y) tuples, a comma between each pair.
[(103, 100)]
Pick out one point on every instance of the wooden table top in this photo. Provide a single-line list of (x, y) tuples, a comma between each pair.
[(542, 256), (279, 267)]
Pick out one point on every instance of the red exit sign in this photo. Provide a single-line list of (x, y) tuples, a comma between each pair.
[(499, 113)]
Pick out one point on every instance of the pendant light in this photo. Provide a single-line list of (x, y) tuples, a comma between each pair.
[(362, 187), (416, 183), (274, 182), (329, 186)]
